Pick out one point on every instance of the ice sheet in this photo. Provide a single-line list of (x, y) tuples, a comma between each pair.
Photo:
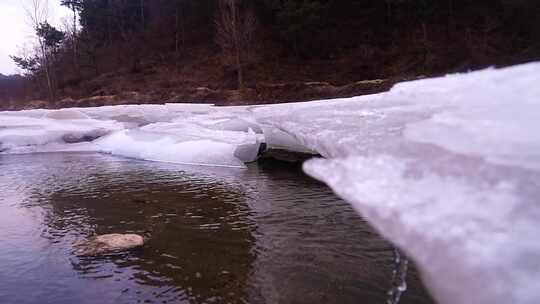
[(473, 237), (446, 168), (18, 133), (168, 148), (182, 133)]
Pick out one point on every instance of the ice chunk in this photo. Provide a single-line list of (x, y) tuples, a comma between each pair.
[(195, 134), (169, 148), (17, 132), (222, 118), (189, 130), (300, 126), (36, 113), (195, 108), (473, 237), (249, 150), (184, 142), (233, 124), (497, 136), (277, 139), (65, 114), (132, 115), (446, 168)]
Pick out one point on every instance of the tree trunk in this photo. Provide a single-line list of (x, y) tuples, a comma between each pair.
[(179, 32), (182, 27), (237, 46), (109, 23), (240, 71), (75, 46), (424, 32), (142, 15), (388, 11), (176, 31), (45, 63)]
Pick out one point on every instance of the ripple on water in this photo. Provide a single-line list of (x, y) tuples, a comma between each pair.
[(267, 234)]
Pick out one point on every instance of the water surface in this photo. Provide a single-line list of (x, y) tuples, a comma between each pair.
[(267, 234)]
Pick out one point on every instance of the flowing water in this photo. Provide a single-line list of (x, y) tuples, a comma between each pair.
[(267, 234)]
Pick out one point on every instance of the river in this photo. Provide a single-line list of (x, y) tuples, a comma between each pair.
[(265, 234)]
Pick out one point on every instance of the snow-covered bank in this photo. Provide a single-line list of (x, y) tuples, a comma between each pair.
[(446, 168)]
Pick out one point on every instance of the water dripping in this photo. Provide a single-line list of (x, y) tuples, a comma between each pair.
[(399, 278)]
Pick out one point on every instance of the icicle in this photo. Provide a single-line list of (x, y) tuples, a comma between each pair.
[(399, 278)]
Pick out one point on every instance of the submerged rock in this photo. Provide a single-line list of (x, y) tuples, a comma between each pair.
[(73, 138), (109, 243)]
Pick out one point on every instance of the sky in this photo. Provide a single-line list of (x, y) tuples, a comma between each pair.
[(15, 30)]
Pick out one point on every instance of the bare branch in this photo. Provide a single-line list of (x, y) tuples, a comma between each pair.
[(235, 30)]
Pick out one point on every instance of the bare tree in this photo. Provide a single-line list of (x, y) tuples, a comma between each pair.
[(142, 14), (180, 30), (37, 12), (235, 30), (74, 6)]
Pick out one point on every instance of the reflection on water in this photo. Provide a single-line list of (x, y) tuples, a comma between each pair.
[(267, 234)]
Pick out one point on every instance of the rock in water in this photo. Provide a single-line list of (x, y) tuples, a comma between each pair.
[(109, 243)]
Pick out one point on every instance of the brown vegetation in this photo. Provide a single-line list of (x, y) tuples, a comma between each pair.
[(204, 53)]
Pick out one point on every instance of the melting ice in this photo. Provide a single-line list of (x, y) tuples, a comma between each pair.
[(448, 169)]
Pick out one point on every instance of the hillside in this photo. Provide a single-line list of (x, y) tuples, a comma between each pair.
[(182, 51), (11, 89)]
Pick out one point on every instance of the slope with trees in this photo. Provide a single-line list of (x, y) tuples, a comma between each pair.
[(184, 50)]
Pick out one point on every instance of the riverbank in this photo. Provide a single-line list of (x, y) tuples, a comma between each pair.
[(264, 93)]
